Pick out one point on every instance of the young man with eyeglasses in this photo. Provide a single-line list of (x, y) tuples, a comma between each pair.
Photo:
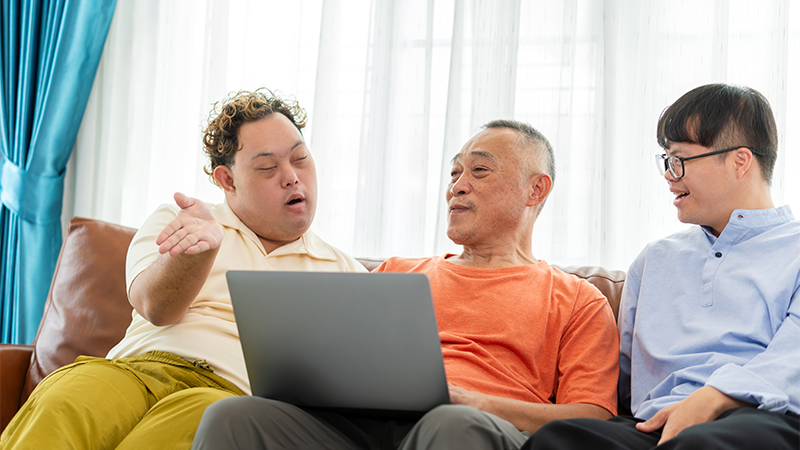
[(710, 318)]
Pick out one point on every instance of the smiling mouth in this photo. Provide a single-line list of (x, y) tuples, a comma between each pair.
[(680, 195)]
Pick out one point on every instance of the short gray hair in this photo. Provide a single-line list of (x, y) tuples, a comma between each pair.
[(530, 136)]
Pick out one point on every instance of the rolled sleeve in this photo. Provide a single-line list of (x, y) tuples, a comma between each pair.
[(771, 379)]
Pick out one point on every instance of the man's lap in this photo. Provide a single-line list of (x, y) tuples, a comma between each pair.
[(252, 422), (255, 422), (97, 403), (740, 428)]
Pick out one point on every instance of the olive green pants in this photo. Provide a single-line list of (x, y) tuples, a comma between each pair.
[(152, 401)]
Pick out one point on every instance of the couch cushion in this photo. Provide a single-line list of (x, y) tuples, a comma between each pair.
[(87, 309)]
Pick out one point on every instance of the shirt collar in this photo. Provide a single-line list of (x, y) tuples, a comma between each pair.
[(227, 218), (308, 244), (743, 219)]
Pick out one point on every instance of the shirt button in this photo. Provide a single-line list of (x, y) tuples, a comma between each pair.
[(718, 255), (740, 216)]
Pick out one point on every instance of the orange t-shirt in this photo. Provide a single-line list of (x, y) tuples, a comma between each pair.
[(530, 333)]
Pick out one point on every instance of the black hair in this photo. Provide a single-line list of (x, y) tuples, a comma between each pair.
[(720, 115)]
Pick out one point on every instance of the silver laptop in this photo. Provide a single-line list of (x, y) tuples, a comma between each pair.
[(363, 343)]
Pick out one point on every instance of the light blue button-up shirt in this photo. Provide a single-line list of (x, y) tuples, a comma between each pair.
[(724, 312)]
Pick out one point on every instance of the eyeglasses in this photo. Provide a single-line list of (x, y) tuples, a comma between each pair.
[(665, 162)]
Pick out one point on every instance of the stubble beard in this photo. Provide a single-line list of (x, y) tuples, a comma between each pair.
[(460, 237)]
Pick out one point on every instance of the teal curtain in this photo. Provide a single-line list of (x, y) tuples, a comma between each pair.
[(49, 53)]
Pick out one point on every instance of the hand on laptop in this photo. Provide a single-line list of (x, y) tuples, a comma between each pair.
[(194, 230)]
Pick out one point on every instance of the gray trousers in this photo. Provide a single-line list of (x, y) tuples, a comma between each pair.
[(258, 423)]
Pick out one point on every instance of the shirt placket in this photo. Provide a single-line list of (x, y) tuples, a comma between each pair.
[(714, 259)]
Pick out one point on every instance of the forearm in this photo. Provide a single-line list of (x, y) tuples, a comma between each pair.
[(532, 416), (717, 402), (164, 291), (766, 378)]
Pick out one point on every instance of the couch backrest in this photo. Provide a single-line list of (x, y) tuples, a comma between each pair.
[(87, 309), (609, 282)]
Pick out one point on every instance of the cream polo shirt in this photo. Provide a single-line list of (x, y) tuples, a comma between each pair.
[(208, 330)]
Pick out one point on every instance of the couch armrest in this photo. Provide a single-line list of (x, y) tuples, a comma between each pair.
[(15, 359)]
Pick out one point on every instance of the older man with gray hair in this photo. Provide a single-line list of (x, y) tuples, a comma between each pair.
[(523, 343)]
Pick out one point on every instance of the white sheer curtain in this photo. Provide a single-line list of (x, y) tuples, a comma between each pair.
[(393, 88)]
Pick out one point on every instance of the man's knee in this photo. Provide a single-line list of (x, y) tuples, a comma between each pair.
[(459, 426), (254, 422), (223, 410), (228, 414), (222, 422), (455, 418)]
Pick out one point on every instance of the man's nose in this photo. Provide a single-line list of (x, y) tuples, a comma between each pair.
[(289, 178), (460, 187)]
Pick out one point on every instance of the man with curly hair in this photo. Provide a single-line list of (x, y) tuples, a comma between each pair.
[(181, 351)]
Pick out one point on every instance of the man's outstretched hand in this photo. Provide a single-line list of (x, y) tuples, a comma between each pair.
[(194, 230)]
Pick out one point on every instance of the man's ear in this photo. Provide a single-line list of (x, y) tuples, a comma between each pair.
[(224, 177), (742, 160), (540, 186)]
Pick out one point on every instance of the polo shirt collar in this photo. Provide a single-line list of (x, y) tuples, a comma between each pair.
[(308, 244)]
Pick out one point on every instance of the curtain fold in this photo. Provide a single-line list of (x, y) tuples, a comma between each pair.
[(50, 52)]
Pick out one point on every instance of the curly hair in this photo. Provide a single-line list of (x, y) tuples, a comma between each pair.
[(221, 136)]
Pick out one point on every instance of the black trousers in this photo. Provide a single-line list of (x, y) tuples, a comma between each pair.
[(740, 428)]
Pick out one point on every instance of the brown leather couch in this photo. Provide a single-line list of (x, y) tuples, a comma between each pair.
[(87, 309)]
